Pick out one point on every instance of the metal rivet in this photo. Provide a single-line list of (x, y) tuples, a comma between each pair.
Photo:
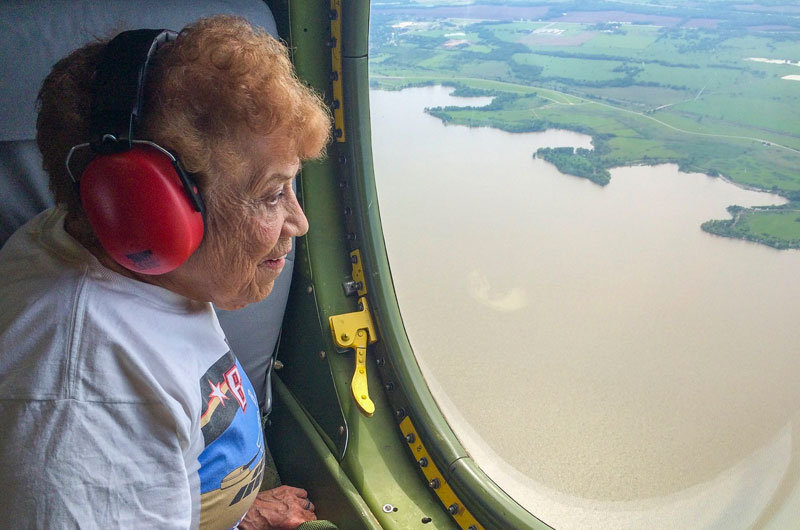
[(341, 430), (335, 104), (423, 462), (380, 361), (410, 437), (351, 236), (334, 76), (322, 355), (472, 527), (434, 483), (277, 365), (453, 508), (400, 414), (348, 211), (388, 508), (310, 289), (389, 386), (338, 133), (342, 159), (345, 337), (333, 15), (350, 288)]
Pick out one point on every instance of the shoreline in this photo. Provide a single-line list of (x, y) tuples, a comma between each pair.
[(717, 227)]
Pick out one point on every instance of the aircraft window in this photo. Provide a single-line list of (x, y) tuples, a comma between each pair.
[(592, 214)]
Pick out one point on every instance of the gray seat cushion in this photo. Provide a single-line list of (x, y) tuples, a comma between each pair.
[(23, 185)]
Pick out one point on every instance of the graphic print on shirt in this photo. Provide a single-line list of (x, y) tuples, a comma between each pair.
[(232, 464)]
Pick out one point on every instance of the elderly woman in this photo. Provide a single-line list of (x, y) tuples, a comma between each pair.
[(121, 403)]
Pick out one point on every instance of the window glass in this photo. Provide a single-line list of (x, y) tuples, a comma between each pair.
[(592, 213)]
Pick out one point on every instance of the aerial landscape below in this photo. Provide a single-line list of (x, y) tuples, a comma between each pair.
[(712, 86)]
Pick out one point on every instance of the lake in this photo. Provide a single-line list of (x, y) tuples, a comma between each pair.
[(608, 363)]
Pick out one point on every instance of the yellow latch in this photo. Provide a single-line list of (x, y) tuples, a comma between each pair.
[(355, 330)]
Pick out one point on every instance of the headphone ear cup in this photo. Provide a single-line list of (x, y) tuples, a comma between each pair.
[(140, 211)]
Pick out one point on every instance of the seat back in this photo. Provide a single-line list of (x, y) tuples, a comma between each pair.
[(37, 33)]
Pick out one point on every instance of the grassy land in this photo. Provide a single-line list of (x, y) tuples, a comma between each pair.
[(646, 92), (778, 228)]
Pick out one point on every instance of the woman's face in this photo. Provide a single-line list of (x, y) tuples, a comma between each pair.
[(252, 215)]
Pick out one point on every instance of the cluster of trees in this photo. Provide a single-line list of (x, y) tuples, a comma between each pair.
[(454, 116), (465, 91), (728, 228), (738, 229), (499, 102), (607, 57), (580, 162), (613, 27)]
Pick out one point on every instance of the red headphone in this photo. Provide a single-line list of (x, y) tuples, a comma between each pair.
[(144, 208)]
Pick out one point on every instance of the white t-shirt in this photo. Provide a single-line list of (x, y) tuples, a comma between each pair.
[(121, 404)]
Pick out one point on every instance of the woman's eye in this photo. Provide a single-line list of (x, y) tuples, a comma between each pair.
[(274, 198)]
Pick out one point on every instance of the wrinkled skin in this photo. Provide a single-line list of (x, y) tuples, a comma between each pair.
[(252, 216), (282, 508)]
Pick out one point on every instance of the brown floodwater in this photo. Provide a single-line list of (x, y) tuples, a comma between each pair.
[(607, 362)]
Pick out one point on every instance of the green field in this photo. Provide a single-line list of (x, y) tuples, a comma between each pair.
[(666, 84), (776, 228)]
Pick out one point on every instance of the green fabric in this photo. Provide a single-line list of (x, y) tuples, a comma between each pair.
[(271, 478), (318, 525)]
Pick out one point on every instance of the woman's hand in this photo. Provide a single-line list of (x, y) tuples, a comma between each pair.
[(282, 508)]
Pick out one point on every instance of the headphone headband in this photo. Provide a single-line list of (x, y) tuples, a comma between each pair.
[(118, 87), (144, 208), (118, 97)]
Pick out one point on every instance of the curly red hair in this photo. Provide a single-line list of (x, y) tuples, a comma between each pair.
[(221, 81)]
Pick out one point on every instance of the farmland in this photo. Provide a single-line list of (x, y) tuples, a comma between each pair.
[(706, 86)]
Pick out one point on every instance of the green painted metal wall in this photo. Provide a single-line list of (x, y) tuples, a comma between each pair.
[(355, 466)]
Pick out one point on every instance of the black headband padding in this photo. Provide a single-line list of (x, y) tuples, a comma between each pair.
[(118, 87)]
